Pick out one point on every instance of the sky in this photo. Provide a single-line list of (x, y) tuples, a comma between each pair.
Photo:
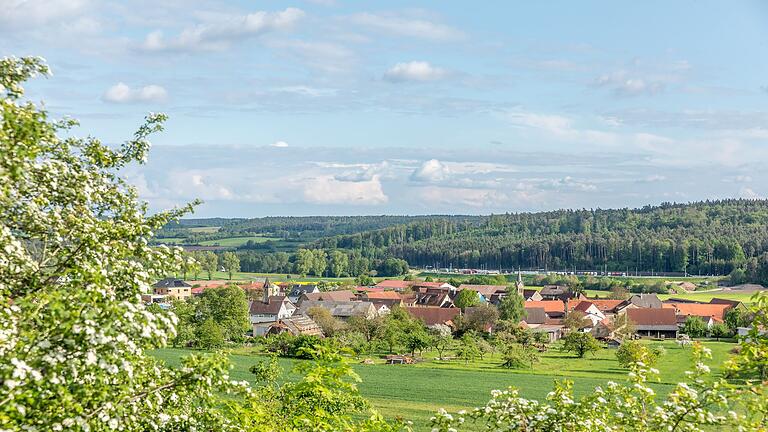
[(340, 107)]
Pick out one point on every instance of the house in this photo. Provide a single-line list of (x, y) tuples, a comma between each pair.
[(298, 289), (590, 311), (384, 300), (433, 298), (532, 295), (394, 284), (296, 325), (557, 292), (341, 295), (709, 313), (735, 304), (644, 301), (434, 315), (270, 309), (606, 306), (149, 299), (554, 331), (485, 291), (654, 322), (341, 309), (534, 317), (266, 312), (173, 288), (553, 308)]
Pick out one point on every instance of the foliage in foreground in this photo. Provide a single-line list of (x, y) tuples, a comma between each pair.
[(701, 403), (74, 335)]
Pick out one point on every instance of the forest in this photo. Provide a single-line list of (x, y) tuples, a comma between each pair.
[(711, 237)]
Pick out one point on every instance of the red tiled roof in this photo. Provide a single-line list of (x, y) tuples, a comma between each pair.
[(394, 283), (382, 295), (430, 284), (606, 305), (697, 309), (548, 305), (433, 315)]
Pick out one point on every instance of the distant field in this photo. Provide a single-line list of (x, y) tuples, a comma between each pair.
[(206, 229), (275, 277), (415, 392), (237, 241)]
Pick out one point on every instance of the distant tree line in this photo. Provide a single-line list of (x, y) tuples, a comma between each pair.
[(712, 237)]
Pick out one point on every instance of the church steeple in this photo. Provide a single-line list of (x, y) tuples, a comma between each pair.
[(270, 290), (519, 284)]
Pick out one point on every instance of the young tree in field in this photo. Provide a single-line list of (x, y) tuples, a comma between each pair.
[(467, 349), (327, 322), (417, 340), (580, 343), (371, 329), (228, 308), (512, 308), (483, 317), (517, 356), (209, 335), (618, 292), (339, 263), (695, 327), (720, 330), (304, 260), (466, 298), (364, 280), (319, 262), (230, 262), (575, 320), (74, 257), (442, 339), (209, 262), (632, 352)]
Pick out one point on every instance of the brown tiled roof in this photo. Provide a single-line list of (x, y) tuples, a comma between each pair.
[(486, 290), (434, 315), (258, 307), (654, 319), (535, 315), (582, 306), (606, 305), (330, 296)]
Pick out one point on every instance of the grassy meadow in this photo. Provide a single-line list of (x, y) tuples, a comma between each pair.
[(415, 392)]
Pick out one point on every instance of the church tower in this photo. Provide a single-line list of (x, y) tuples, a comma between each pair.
[(270, 290), (519, 284)]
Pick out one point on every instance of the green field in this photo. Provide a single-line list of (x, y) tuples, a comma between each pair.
[(204, 230), (415, 392), (274, 277), (236, 241)]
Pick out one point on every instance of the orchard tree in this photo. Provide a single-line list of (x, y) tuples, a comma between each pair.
[(512, 307), (209, 262), (442, 339), (632, 352), (209, 335), (580, 343), (466, 298), (467, 349), (695, 327), (230, 263)]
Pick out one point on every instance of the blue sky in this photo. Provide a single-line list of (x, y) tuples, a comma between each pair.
[(342, 107)]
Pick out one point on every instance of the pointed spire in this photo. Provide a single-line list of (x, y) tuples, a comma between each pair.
[(266, 290)]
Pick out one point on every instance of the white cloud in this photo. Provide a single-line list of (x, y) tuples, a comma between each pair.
[(431, 171), (454, 197), (330, 190), (748, 193), (220, 33), (405, 26), (622, 83), (21, 14), (414, 71), (122, 93), (280, 144)]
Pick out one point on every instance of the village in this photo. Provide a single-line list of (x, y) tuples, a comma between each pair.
[(551, 310)]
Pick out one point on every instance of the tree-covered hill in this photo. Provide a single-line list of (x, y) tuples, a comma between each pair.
[(710, 237)]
